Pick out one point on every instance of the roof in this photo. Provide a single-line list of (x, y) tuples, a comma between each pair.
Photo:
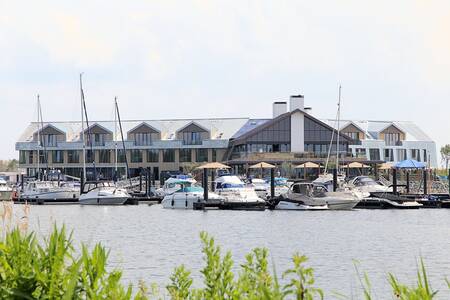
[(250, 125), (372, 129), (220, 128)]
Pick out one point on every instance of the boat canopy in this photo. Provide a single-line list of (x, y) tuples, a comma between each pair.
[(410, 164)]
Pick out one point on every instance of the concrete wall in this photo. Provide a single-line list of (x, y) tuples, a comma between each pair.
[(297, 132)]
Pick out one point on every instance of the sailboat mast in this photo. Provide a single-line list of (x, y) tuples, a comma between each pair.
[(123, 142), (338, 130), (115, 135), (44, 142), (38, 138), (82, 127)]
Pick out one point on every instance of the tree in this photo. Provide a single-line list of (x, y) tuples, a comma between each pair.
[(445, 153)]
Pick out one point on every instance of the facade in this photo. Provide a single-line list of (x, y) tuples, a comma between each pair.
[(291, 135), (390, 141)]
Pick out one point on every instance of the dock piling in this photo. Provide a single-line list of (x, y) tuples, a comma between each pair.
[(205, 184), (407, 182), (394, 181), (425, 181), (212, 180), (272, 183), (335, 180)]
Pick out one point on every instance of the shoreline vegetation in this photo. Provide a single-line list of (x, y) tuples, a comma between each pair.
[(53, 269)]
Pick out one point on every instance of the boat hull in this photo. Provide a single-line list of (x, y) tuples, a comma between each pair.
[(50, 196), (284, 205), (103, 201)]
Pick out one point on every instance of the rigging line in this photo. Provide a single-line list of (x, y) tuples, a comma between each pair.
[(89, 134), (43, 137)]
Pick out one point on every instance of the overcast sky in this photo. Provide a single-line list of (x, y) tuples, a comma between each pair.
[(172, 59)]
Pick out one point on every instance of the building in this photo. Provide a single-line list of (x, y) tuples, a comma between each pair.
[(292, 135)]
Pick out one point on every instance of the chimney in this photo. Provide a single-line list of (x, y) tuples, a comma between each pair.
[(279, 108), (297, 102)]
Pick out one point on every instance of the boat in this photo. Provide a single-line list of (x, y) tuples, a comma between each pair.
[(311, 195), (365, 184), (102, 193), (184, 193), (260, 186), (6, 191), (233, 190), (172, 184), (281, 187), (37, 190)]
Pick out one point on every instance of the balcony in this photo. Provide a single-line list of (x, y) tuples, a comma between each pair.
[(393, 143)]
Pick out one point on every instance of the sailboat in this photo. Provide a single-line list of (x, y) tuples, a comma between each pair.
[(46, 190), (98, 192)]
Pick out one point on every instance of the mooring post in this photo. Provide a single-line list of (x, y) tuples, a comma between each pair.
[(205, 184), (335, 183), (212, 180), (375, 170), (425, 182), (21, 181), (448, 178), (394, 181), (81, 183), (148, 182), (140, 179), (272, 183), (407, 182), (59, 178)]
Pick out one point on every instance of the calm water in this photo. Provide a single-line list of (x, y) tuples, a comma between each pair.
[(148, 241)]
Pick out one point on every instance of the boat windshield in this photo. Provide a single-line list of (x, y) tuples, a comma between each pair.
[(190, 189), (230, 185), (365, 181)]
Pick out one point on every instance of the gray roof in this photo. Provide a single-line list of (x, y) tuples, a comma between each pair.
[(219, 128), (250, 125), (373, 128)]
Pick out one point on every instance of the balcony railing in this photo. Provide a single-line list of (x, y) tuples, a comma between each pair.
[(393, 143)]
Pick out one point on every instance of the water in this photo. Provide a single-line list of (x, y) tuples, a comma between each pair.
[(147, 242)]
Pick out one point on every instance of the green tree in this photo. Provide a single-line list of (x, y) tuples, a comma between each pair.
[(445, 153)]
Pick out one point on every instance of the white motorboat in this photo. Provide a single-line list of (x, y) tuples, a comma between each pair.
[(260, 186), (281, 187), (233, 189), (103, 193), (49, 191), (172, 185), (317, 195), (186, 195), (287, 204), (5, 190), (367, 185)]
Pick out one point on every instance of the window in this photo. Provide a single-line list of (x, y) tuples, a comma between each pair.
[(104, 156), (360, 152), (57, 157), (89, 156), (42, 157), (168, 155), (192, 138), (30, 157), (48, 140), (392, 139), (214, 154), (201, 155), (136, 156), (415, 154), (98, 139), (389, 154), (142, 139), (401, 154), (121, 156), (153, 155), (73, 157), (353, 135), (22, 157), (185, 155), (374, 154)]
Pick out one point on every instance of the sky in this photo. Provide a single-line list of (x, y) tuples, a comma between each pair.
[(185, 59)]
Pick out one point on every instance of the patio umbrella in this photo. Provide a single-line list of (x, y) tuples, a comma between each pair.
[(262, 165), (213, 165), (410, 164), (385, 166), (308, 165), (356, 165)]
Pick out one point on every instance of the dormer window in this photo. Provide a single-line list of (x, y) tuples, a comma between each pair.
[(49, 140), (98, 139), (192, 138), (392, 139), (352, 135), (143, 139)]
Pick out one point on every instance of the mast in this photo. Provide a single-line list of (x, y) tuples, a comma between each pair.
[(123, 142), (115, 135), (89, 134), (38, 138), (82, 127), (44, 143), (338, 130)]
